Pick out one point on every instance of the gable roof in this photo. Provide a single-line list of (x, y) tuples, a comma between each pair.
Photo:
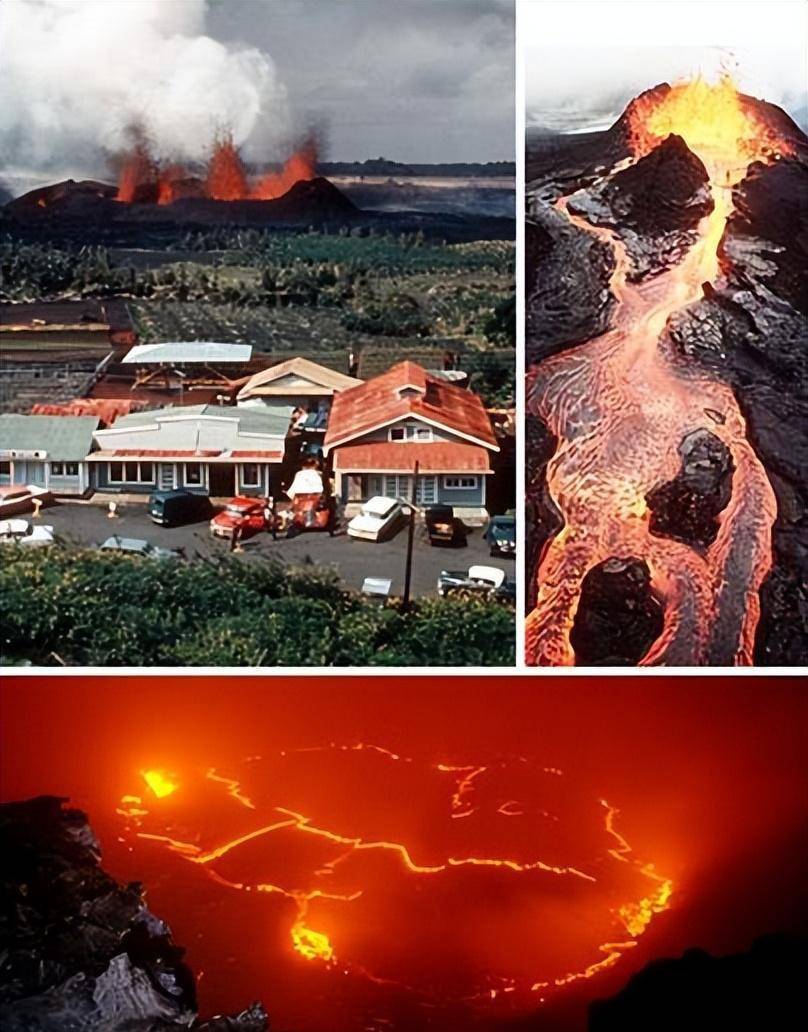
[(62, 438), (322, 379), (408, 390)]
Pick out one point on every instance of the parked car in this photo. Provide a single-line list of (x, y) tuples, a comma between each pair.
[(487, 580), (379, 518), (21, 532), (312, 507), (246, 516), (136, 546), (174, 508), (443, 527), (17, 498), (501, 535)]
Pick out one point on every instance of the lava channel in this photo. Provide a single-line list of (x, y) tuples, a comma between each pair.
[(486, 885), (621, 403)]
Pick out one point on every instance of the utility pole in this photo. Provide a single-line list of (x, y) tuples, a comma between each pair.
[(405, 605)]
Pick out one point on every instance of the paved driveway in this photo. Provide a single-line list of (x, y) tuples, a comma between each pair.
[(88, 524)]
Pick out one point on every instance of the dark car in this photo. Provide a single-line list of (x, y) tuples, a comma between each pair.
[(443, 527), (501, 535), (173, 508)]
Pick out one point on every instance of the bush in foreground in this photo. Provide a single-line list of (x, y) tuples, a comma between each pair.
[(78, 607)]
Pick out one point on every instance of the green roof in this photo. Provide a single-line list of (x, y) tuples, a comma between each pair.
[(63, 438)]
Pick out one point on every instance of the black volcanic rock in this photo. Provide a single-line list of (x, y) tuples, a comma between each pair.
[(69, 199), (78, 951), (307, 202), (567, 276), (655, 205), (686, 508), (752, 332), (618, 616), (748, 992), (541, 514)]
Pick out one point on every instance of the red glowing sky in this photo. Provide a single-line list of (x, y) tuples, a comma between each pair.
[(708, 775)]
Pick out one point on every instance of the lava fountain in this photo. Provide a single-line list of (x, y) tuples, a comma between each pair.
[(473, 890), (621, 403), (142, 177)]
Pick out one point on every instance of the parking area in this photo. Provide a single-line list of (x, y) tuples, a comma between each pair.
[(88, 525)]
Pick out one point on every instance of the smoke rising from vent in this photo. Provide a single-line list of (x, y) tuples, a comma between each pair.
[(77, 74)]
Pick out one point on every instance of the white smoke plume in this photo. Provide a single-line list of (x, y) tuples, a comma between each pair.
[(76, 74)]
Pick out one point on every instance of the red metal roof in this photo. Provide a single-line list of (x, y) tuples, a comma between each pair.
[(154, 453), (379, 401), (106, 409), (267, 456), (435, 457), (173, 453)]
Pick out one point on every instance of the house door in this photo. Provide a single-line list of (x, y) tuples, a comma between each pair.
[(166, 476), (222, 480)]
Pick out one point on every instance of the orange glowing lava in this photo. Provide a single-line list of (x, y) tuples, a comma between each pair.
[(143, 177), (227, 178), (621, 403), (712, 120), (159, 782), (359, 899)]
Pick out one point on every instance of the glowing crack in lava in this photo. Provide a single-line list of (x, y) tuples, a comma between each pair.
[(621, 403), (482, 884)]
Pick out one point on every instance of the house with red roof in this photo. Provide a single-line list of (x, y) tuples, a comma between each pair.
[(379, 429)]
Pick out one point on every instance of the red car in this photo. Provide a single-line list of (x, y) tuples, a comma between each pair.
[(245, 515)]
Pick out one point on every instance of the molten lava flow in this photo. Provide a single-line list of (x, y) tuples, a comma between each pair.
[(621, 404), (227, 178), (159, 782), (337, 879), (310, 944)]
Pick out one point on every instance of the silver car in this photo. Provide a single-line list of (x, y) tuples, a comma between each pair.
[(136, 546)]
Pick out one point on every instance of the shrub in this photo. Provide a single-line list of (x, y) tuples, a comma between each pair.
[(81, 607)]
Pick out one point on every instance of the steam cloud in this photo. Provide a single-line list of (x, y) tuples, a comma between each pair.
[(75, 75)]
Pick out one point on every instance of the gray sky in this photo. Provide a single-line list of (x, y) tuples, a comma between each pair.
[(584, 78), (412, 80)]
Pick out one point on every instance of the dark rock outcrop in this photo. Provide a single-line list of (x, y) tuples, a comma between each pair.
[(747, 992), (618, 617), (656, 204), (686, 508), (77, 950), (567, 274), (541, 514), (307, 201)]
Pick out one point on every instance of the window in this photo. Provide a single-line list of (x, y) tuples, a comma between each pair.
[(397, 487), (127, 472), (64, 469), (460, 483), (5, 469), (250, 476), (193, 474), (409, 433), (427, 490)]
